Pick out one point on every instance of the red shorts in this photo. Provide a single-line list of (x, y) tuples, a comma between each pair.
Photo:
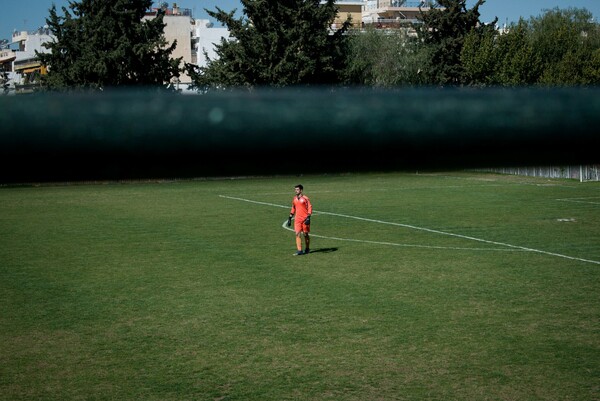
[(299, 226)]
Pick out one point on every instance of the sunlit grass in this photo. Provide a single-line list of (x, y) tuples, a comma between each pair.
[(162, 291)]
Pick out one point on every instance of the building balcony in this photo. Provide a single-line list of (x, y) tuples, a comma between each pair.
[(175, 11), (19, 36), (400, 11), (7, 56), (374, 4), (27, 65), (388, 23)]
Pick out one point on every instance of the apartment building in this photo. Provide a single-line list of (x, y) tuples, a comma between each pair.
[(352, 9), (18, 58), (390, 13), (178, 27), (205, 38)]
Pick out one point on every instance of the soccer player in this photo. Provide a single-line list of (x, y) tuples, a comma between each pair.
[(302, 209)]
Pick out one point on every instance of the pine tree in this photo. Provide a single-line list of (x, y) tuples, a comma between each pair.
[(445, 29), (101, 44), (276, 43)]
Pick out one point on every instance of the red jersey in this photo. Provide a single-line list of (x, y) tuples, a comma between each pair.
[(301, 207)]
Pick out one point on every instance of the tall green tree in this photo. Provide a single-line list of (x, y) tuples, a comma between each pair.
[(479, 58), (518, 62), (276, 43), (557, 48), (491, 58), (566, 40), (101, 44), (385, 58), (444, 28)]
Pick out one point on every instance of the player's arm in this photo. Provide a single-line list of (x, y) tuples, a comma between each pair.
[(309, 211), (292, 212)]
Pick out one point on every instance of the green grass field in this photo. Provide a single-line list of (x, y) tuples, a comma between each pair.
[(449, 286)]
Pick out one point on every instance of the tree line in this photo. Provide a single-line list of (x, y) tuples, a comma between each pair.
[(282, 43)]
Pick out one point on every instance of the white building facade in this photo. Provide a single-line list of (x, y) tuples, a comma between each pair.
[(18, 58), (205, 39)]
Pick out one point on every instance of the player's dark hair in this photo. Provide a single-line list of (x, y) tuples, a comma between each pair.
[(299, 186)]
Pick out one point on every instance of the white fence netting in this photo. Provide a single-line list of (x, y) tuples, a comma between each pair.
[(581, 173)]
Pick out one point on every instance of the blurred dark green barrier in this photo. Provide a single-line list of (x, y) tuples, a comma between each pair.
[(134, 135)]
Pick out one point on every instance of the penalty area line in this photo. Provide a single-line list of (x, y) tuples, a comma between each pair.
[(502, 244)]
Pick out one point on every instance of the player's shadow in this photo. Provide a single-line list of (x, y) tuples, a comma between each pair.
[(323, 250)]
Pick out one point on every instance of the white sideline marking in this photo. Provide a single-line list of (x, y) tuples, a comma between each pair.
[(580, 200), (425, 229)]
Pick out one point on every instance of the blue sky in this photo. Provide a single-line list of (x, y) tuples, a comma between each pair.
[(30, 14)]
